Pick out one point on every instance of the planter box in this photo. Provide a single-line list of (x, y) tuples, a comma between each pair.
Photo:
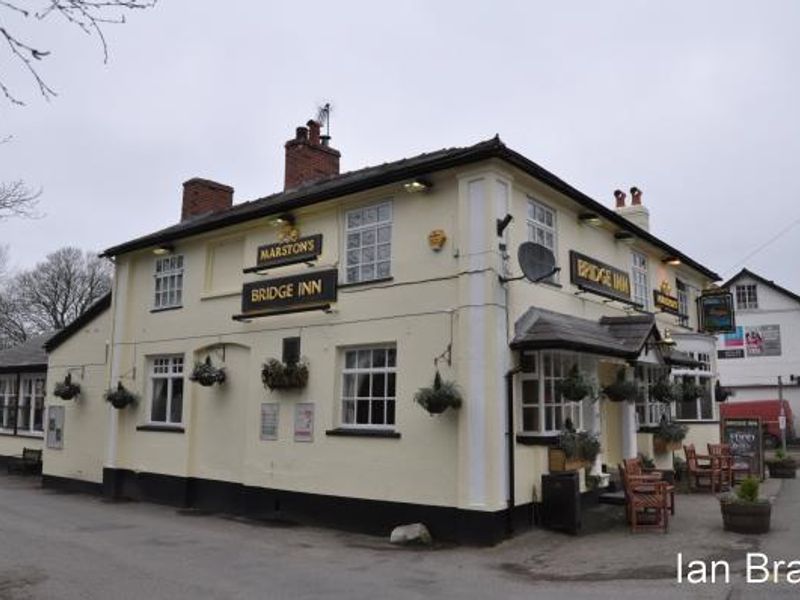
[(746, 518), (558, 461), (781, 471), (661, 446)]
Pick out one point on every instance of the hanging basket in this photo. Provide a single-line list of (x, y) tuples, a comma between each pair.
[(666, 391), (277, 375), (120, 397), (439, 397), (575, 387), (721, 393), (66, 390), (207, 374), (623, 390)]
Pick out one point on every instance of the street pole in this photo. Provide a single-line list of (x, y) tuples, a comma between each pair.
[(782, 418)]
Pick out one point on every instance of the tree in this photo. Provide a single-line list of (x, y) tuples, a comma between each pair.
[(59, 289), (16, 198), (88, 15)]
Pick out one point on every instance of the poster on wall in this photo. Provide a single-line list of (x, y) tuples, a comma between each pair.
[(269, 421), (304, 422), (731, 345), (763, 340), (55, 427)]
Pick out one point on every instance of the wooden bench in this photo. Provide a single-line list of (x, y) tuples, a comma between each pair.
[(29, 462)]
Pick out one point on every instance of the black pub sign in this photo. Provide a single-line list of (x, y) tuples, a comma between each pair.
[(668, 304), (600, 278), (289, 252), (282, 294), (716, 312)]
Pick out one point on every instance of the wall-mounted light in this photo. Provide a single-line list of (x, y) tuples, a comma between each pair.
[(667, 339), (281, 220), (162, 249), (417, 185), (671, 260), (625, 237), (590, 219), (503, 223)]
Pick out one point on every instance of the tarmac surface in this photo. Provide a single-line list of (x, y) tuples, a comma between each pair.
[(65, 546)]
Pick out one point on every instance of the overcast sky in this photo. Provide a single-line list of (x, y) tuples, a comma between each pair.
[(697, 103)]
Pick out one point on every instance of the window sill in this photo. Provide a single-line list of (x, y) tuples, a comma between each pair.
[(165, 309), (698, 421), (535, 439), (373, 433), (24, 434), (165, 428), (648, 429), (362, 283)]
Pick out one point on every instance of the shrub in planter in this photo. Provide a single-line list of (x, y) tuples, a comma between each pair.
[(579, 445), (120, 397), (439, 397), (669, 436), (623, 390), (575, 387), (277, 375), (207, 374), (66, 390), (745, 512), (782, 466)]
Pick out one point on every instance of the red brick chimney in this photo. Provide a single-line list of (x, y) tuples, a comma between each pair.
[(202, 196), (619, 195), (308, 157)]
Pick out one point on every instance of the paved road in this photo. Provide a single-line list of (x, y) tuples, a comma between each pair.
[(64, 546)]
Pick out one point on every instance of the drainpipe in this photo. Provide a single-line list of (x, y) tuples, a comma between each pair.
[(510, 438)]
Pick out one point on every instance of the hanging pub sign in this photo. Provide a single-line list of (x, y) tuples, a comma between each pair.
[(664, 299), (716, 312), (599, 278), (289, 252), (291, 293)]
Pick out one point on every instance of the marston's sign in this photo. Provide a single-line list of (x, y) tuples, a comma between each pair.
[(669, 304), (716, 312), (286, 293), (598, 277), (289, 252)]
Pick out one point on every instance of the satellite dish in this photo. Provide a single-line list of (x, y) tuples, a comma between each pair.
[(536, 261)]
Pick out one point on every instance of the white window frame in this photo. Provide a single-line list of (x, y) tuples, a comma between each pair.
[(27, 400), (350, 396), (175, 369), (747, 296), (703, 376), (548, 396), (682, 291), (368, 256), (640, 281), (8, 402), (542, 227), (168, 279), (649, 410)]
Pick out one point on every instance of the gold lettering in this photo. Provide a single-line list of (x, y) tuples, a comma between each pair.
[(310, 288)]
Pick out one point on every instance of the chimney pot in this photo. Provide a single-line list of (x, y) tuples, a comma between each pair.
[(620, 197), (309, 158), (301, 133), (636, 196), (313, 132), (203, 196)]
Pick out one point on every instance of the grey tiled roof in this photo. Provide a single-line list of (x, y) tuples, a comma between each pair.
[(29, 354)]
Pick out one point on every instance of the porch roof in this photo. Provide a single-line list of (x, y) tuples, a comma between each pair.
[(622, 337)]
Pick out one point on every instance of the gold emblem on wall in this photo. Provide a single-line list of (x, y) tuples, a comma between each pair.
[(288, 233), (436, 239), (666, 288)]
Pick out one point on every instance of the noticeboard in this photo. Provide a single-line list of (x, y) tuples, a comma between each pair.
[(745, 437)]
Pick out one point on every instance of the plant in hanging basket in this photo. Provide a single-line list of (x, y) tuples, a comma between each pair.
[(277, 375), (576, 450), (120, 397), (66, 390), (722, 393), (206, 374), (666, 391), (691, 391), (575, 387), (439, 397), (623, 390)]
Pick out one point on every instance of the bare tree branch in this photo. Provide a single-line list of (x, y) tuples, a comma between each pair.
[(88, 15), (18, 200)]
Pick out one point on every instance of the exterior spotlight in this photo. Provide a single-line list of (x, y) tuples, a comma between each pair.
[(625, 237), (417, 185), (590, 219), (163, 249), (671, 260), (503, 223)]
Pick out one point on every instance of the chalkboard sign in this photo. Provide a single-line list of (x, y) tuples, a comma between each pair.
[(745, 438)]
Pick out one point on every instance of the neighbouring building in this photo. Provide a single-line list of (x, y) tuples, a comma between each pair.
[(374, 280), (766, 343), (23, 372)]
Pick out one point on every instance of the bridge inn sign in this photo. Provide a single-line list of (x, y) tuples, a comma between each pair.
[(293, 293)]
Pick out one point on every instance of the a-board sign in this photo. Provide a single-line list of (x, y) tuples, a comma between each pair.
[(298, 292), (745, 437)]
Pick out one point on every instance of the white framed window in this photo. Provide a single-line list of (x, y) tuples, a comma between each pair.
[(30, 411), (747, 296), (369, 386), (640, 280), (544, 410), (542, 228), (368, 240), (168, 281), (649, 410), (8, 401), (166, 389), (702, 408), (683, 302)]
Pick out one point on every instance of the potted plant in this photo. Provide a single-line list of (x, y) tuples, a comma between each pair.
[(120, 397), (622, 390), (277, 375), (439, 397), (576, 450), (782, 466), (207, 374), (691, 391), (66, 390), (665, 391), (575, 387), (744, 511), (668, 436)]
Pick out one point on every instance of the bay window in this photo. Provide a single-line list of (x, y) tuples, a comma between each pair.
[(544, 410), (649, 411), (702, 407)]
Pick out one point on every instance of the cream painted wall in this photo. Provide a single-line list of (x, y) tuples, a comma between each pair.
[(85, 357)]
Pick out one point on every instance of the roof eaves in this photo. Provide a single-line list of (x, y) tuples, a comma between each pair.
[(769, 283), (61, 336)]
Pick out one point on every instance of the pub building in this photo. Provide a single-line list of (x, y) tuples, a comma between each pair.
[(327, 306)]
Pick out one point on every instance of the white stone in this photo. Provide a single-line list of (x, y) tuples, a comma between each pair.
[(415, 533)]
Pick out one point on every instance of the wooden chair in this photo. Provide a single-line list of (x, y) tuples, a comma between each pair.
[(29, 462), (634, 468), (738, 467), (646, 502), (702, 466)]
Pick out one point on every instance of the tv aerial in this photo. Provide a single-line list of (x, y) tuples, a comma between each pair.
[(324, 117), (537, 263)]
